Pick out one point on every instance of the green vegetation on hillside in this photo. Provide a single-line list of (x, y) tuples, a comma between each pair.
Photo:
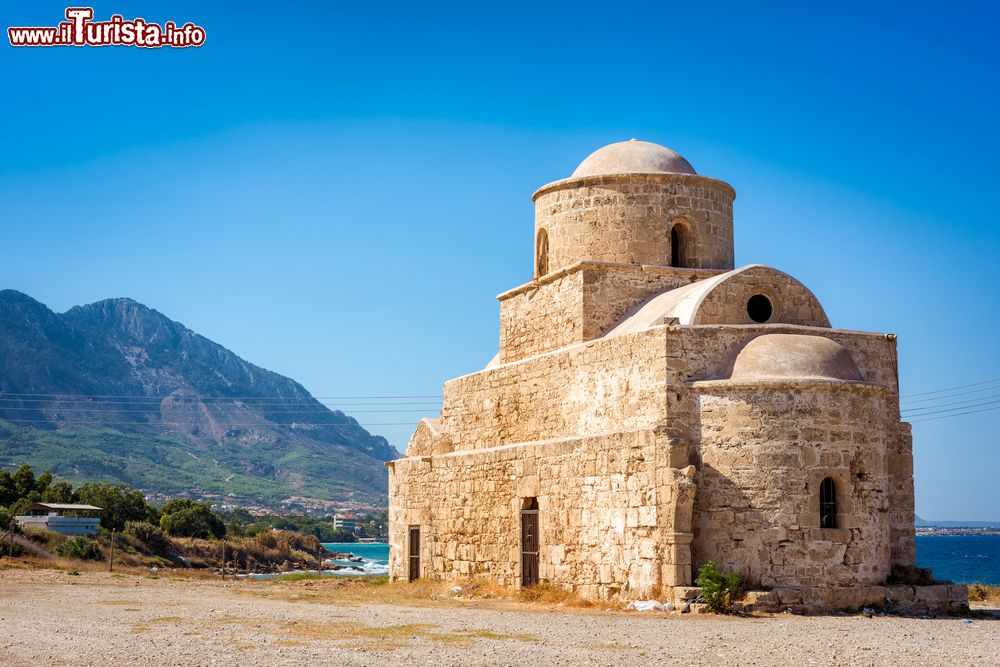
[(168, 466), (182, 532)]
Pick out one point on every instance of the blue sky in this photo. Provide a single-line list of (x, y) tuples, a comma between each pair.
[(337, 191)]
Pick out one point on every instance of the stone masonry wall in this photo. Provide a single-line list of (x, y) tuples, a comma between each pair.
[(578, 304), (627, 219), (762, 454), (614, 513), (602, 386), (542, 318), (707, 348), (902, 533), (790, 299)]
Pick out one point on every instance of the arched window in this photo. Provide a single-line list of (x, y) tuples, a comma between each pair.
[(827, 503), (541, 253), (680, 245)]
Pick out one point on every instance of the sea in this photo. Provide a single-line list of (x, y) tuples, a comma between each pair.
[(964, 559), (375, 556)]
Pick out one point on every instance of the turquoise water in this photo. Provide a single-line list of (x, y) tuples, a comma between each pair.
[(375, 555), (963, 559)]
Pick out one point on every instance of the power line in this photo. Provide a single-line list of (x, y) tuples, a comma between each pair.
[(959, 414), (961, 386), (192, 400), (179, 424), (964, 407), (318, 411), (971, 403), (952, 395), (221, 398)]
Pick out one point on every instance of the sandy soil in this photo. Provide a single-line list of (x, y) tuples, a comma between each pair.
[(50, 617)]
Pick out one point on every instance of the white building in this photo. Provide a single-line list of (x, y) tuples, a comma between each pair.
[(50, 517)]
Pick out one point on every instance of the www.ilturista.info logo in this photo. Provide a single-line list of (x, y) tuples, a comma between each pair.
[(81, 30)]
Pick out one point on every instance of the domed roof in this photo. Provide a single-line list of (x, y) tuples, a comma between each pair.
[(633, 157), (794, 356)]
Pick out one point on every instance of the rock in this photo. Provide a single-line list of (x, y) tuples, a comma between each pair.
[(687, 592), (685, 607)]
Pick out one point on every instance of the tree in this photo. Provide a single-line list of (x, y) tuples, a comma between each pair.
[(119, 504), (191, 519), (237, 521), (43, 481), (24, 481), (8, 490), (60, 492)]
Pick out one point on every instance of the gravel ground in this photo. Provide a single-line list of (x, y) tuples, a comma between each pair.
[(48, 617)]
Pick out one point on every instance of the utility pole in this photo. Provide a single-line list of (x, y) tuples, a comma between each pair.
[(111, 556), (223, 560)]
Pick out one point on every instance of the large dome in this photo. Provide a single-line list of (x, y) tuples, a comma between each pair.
[(633, 157)]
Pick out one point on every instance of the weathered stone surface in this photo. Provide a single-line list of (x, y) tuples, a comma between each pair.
[(654, 425)]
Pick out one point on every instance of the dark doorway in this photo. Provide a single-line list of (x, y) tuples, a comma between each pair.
[(414, 553), (529, 543)]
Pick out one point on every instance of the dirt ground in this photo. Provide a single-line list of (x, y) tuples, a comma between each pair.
[(50, 617)]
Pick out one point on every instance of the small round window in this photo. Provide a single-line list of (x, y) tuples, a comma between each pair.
[(759, 308)]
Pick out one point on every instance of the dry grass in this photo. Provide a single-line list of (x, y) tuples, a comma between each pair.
[(547, 594), (984, 593), (330, 590), (343, 633)]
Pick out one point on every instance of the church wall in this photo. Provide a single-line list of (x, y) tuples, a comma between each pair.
[(610, 510), (627, 219), (597, 387), (761, 455), (578, 304), (610, 291), (542, 319), (792, 302), (707, 348), (902, 533)]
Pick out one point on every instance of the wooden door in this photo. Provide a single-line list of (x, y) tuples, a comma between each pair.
[(414, 553), (529, 547)]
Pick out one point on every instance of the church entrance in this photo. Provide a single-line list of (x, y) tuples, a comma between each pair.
[(529, 543), (414, 553)]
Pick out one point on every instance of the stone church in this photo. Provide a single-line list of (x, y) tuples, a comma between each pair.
[(652, 407)]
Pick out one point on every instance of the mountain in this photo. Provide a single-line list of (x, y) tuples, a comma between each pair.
[(117, 391)]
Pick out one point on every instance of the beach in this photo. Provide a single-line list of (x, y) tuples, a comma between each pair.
[(52, 617)]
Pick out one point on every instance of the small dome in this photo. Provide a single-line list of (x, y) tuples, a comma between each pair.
[(633, 157), (794, 356)]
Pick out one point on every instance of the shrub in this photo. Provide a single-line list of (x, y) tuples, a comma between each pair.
[(6, 518), (151, 537), (720, 589), (984, 593), (81, 548), (191, 519), (267, 540)]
